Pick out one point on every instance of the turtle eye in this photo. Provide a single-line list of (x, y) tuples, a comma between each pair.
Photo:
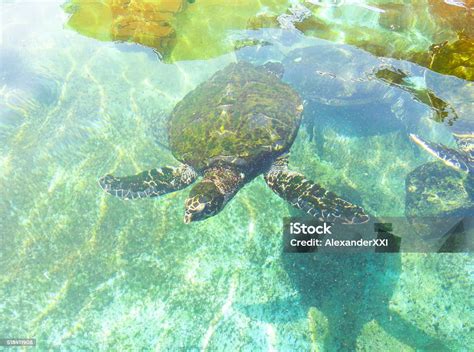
[(200, 207)]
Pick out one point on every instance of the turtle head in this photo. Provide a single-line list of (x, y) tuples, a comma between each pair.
[(204, 201)]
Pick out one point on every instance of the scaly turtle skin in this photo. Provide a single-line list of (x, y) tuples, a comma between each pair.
[(233, 127), (461, 159)]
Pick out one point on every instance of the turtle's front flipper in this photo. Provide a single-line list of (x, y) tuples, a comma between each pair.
[(310, 197), (151, 183), (461, 160)]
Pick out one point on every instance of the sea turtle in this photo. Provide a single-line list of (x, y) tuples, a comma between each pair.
[(443, 111), (440, 195), (233, 127), (340, 75), (461, 159), (340, 93), (335, 75)]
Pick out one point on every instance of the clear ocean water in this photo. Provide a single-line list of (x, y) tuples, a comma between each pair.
[(84, 271)]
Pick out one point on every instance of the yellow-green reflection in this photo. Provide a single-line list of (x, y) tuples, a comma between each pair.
[(431, 33), (147, 22), (177, 29), (456, 58)]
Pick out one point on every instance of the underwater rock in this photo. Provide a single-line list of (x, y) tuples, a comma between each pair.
[(239, 44), (263, 20), (442, 22), (459, 15), (150, 23), (454, 58), (396, 17), (297, 13), (437, 199)]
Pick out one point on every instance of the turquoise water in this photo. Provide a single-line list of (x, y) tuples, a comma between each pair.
[(83, 271)]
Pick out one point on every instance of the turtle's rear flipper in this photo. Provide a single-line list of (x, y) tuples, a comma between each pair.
[(151, 183), (458, 160), (311, 197)]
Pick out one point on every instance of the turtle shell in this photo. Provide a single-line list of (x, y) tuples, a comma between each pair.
[(241, 116)]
